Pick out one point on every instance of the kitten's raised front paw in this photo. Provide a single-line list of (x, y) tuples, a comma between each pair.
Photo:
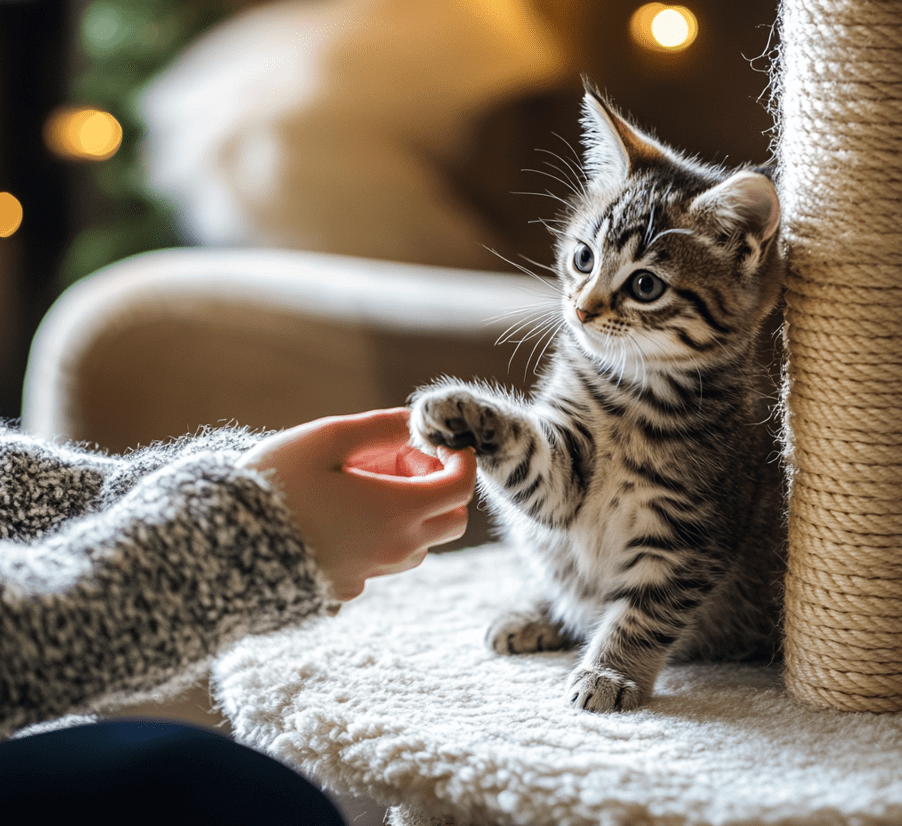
[(522, 633), (603, 689), (456, 417)]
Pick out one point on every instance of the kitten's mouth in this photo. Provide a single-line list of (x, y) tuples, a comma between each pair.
[(606, 329), (606, 342)]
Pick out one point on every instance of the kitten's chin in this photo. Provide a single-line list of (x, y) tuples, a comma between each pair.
[(614, 355)]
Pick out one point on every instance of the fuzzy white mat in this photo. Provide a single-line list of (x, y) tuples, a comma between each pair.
[(397, 699)]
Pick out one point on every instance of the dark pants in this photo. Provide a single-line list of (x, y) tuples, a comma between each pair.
[(120, 772)]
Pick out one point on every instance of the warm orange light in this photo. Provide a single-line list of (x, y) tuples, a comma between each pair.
[(10, 214), (83, 134), (662, 28)]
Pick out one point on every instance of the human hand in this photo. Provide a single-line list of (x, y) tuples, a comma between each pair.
[(366, 503)]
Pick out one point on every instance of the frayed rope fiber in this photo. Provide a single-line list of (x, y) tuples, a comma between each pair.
[(840, 153)]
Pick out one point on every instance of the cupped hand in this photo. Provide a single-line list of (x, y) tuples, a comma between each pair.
[(366, 503)]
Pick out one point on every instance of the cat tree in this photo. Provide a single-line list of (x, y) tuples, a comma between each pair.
[(840, 151)]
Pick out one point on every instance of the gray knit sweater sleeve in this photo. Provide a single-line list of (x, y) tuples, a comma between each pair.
[(118, 574)]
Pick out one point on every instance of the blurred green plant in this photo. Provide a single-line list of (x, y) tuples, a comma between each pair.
[(124, 44)]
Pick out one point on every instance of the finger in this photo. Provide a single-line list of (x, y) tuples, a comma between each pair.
[(329, 440), (445, 528), (345, 591), (393, 461), (452, 486), (411, 561)]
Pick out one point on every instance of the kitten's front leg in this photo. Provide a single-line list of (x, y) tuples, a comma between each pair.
[(594, 686), (528, 460), (459, 415), (622, 660)]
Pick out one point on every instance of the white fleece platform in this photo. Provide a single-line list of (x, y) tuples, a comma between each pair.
[(397, 699)]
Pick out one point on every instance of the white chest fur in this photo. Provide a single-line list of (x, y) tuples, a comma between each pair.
[(586, 561)]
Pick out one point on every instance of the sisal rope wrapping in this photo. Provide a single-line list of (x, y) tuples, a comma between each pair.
[(840, 155)]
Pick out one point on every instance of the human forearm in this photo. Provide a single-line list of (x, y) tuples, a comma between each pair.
[(194, 556), (43, 484)]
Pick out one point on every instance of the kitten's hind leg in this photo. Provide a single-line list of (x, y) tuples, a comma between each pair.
[(525, 632)]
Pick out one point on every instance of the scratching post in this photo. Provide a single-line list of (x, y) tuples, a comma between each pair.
[(840, 153)]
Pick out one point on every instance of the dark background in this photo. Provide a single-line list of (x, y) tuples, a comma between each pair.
[(708, 101)]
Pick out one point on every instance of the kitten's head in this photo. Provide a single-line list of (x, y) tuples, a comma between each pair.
[(665, 262)]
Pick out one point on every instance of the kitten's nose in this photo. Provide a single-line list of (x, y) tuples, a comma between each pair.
[(584, 315)]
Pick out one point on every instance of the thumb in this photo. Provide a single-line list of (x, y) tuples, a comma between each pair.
[(345, 436)]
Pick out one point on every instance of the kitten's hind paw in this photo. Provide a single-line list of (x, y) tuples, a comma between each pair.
[(603, 689), (522, 633)]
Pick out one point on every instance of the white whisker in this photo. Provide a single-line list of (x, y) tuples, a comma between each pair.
[(526, 271), (650, 228), (554, 331), (579, 160), (563, 181), (531, 308), (552, 270), (638, 350), (554, 230), (576, 173), (552, 326), (547, 194), (541, 328), (576, 186), (622, 362), (514, 329), (544, 295)]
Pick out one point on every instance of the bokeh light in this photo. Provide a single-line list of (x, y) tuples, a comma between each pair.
[(103, 28), (662, 28), (670, 28), (83, 134), (10, 214)]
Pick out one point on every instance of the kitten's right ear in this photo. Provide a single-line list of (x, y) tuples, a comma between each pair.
[(745, 202), (613, 147)]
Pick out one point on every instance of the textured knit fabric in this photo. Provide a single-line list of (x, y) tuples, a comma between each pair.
[(124, 574)]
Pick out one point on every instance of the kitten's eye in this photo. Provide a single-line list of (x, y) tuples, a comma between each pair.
[(645, 286), (583, 259)]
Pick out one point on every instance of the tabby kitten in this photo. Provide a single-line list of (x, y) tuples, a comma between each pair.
[(640, 472)]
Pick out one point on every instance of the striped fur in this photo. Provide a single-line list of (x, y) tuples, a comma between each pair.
[(639, 474)]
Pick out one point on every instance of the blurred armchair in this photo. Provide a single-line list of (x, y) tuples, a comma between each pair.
[(163, 343)]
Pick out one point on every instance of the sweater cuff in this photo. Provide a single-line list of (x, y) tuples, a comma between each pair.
[(250, 529)]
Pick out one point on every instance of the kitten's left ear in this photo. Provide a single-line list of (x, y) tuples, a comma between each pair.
[(745, 202)]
